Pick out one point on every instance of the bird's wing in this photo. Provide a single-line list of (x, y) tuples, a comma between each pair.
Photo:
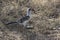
[(23, 19)]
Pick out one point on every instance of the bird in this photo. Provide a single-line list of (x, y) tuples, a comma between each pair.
[(24, 19)]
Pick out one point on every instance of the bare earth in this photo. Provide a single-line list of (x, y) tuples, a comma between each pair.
[(45, 19)]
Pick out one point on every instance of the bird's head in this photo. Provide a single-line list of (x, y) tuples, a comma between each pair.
[(30, 9)]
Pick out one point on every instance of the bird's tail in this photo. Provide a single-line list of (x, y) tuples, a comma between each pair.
[(10, 23), (28, 12)]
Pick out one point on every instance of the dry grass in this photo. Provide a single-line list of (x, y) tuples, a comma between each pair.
[(45, 17)]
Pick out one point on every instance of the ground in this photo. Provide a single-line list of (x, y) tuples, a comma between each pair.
[(45, 19)]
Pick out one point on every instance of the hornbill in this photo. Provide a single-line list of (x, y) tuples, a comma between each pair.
[(23, 21)]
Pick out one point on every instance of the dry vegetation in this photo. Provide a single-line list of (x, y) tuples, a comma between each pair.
[(45, 19)]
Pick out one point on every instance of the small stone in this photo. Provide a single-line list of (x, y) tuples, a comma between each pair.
[(58, 28), (29, 27), (54, 28)]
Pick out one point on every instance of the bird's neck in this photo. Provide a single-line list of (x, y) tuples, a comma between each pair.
[(28, 13)]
